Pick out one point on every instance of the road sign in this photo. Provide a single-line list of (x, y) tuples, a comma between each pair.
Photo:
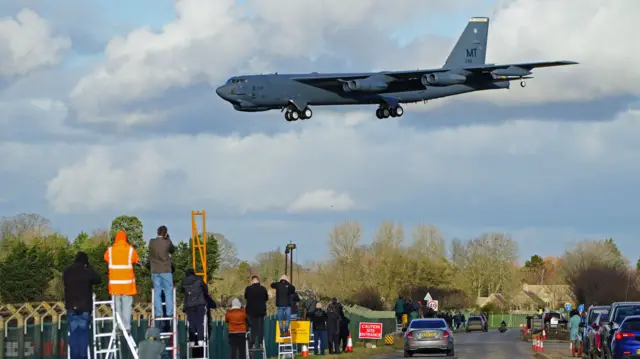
[(581, 308), (370, 331), (433, 304), (567, 307), (428, 298)]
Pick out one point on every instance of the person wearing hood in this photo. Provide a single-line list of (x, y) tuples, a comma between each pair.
[(256, 296), (195, 305), (319, 324), (236, 320), (152, 347), (160, 250), (79, 280), (121, 256), (344, 332), (284, 291)]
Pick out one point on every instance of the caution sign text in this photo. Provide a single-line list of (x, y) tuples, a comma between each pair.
[(370, 331)]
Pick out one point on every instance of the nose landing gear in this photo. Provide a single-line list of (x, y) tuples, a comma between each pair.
[(523, 83)]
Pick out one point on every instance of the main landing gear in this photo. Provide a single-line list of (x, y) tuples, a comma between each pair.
[(293, 114), (386, 112)]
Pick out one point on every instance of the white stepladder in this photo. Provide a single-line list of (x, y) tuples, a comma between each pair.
[(113, 349), (285, 347), (204, 349), (247, 340), (312, 341), (172, 335)]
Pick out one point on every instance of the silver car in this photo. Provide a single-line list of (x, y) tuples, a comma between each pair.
[(428, 336)]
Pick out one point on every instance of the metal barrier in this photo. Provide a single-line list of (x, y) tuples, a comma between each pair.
[(40, 331)]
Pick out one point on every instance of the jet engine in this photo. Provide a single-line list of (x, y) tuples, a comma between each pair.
[(442, 79), (366, 85)]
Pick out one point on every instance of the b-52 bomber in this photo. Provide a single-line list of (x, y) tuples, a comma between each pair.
[(464, 71)]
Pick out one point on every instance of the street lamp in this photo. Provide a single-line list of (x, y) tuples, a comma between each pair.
[(288, 258)]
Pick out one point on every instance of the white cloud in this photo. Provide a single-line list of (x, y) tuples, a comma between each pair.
[(600, 34), (322, 200), (375, 162), (27, 42)]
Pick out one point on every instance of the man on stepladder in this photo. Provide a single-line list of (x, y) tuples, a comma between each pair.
[(160, 250), (121, 257), (284, 291), (79, 280), (257, 297), (195, 305)]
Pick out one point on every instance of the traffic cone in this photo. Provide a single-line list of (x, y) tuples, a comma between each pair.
[(541, 346), (349, 345), (305, 351), (533, 344), (544, 334), (571, 348)]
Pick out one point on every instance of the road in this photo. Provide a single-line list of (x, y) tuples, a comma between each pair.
[(491, 345)]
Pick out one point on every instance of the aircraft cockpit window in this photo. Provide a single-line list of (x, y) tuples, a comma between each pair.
[(237, 81)]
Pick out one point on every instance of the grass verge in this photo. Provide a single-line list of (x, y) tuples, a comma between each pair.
[(360, 352)]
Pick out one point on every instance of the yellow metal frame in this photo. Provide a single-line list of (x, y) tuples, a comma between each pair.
[(199, 243)]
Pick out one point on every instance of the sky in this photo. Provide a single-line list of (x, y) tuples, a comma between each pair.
[(108, 108)]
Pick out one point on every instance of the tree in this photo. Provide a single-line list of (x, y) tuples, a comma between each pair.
[(638, 264), (133, 227), (25, 274), (535, 269), (227, 252), (213, 255), (24, 226), (344, 240), (81, 240)]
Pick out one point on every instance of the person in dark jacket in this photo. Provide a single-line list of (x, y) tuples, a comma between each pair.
[(195, 305), (160, 250), (152, 347), (256, 296), (344, 332), (399, 309), (79, 280), (333, 326), (295, 299), (319, 323), (284, 290)]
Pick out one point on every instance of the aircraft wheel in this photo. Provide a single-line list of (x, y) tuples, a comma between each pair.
[(385, 113), (399, 111), (306, 114), (294, 115), (379, 113), (523, 83)]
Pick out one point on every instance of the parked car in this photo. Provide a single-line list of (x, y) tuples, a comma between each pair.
[(476, 323), (594, 337), (592, 314), (618, 312), (626, 340), (552, 319), (486, 321), (428, 336)]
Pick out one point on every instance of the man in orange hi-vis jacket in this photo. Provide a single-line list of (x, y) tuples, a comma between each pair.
[(121, 257)]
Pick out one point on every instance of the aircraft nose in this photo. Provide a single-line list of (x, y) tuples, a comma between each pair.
[(221, 91)]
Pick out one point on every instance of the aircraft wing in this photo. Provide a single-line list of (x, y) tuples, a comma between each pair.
[(525, 66), (338, 79)]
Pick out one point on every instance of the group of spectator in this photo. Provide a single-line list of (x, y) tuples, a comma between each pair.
[(121, 257), (415, 310), (329, 325)]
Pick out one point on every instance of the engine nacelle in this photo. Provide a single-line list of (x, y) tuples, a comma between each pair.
[(366, 85), (442, 79)]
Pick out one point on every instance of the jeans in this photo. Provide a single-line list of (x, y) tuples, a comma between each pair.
[(284, 316), (124, 307), (162, 282), (320, 341), (78, 334)]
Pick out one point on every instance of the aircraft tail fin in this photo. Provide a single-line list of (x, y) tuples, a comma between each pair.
[(471, 48)]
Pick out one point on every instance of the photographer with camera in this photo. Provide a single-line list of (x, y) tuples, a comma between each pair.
[(79, 279)]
